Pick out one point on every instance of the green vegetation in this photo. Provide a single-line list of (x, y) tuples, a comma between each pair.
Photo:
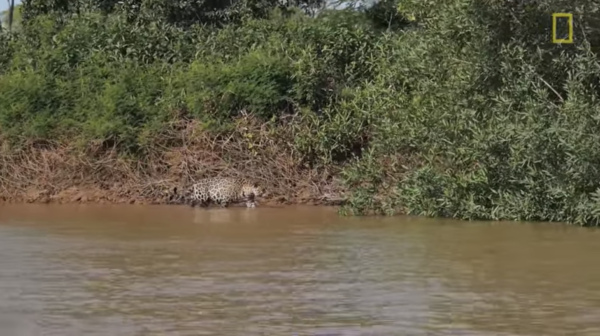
[(455, 108)]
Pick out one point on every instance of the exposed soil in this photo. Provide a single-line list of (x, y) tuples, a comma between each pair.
[(91, 195)]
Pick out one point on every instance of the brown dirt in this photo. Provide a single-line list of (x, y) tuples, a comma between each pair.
[(61, 173)]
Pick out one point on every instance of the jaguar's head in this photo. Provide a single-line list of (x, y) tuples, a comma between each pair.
[(253, 189)]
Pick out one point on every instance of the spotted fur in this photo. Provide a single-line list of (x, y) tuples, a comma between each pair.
[(223, 190)]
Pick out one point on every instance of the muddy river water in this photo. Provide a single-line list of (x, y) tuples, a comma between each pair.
[(170, 270)]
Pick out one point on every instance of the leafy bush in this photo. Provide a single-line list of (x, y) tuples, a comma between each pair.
[(492, 130)]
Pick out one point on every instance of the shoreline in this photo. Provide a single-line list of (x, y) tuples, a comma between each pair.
[(62, 173), (94, 195)]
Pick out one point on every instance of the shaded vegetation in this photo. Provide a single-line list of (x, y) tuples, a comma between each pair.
[(455, 108)]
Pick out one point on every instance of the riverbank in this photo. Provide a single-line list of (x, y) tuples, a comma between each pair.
[(64, 173), (95, 195), (440, 110)]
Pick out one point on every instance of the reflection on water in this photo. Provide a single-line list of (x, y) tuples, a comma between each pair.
[(135, 270)]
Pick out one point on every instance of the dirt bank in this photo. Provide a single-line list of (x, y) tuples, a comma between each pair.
[(61, 172), (91, 195)]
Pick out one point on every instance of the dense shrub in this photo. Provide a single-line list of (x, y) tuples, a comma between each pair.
[(493, 127)]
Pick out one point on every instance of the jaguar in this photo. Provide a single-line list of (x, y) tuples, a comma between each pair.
[(222, 190)]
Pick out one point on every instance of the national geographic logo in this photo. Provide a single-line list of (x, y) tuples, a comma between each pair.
[(562, 28)]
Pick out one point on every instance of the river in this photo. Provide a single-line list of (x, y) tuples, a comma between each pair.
[(173, 270)]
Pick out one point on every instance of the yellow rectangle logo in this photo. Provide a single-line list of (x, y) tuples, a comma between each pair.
[(569, 17)]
